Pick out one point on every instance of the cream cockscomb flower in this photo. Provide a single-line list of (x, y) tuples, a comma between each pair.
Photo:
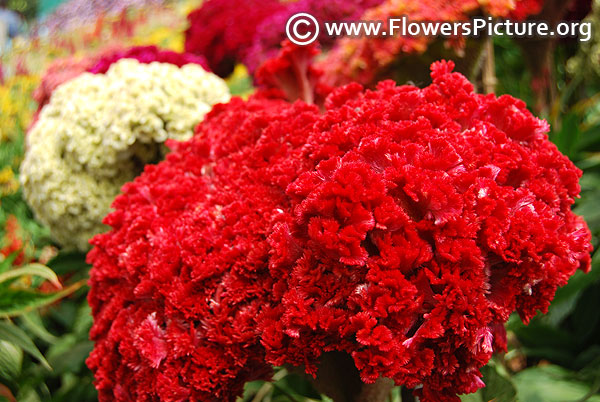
[(98, 132)]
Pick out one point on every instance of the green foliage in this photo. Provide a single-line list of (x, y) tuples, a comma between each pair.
[(11, 360), (14, 335), (15, 302), (27, 8), (53, 336), (240, 83), (284, 387), (513, 76), (33, 269), (499, 386), (552, 384)]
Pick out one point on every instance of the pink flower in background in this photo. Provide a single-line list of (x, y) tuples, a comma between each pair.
[(271, 31), (223, 30), (146, 54), (57, 73)]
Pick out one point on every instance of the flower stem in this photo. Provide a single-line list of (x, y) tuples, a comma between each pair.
[(489, 67), (338, 378), (407, 395)]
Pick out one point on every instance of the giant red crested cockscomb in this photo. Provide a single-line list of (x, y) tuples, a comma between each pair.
[(400, 228), (369, 59), (223, 30)]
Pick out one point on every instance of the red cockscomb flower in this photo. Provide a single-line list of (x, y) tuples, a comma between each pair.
[(292, 75), (271, 31), (401, 227), (223, 30)]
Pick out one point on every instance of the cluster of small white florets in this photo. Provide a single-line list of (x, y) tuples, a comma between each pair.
[(98, 131)]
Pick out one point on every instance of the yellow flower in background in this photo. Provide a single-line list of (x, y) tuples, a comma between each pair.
[(8, 182), (240, 82), (16, 106), (163, 37), (185, 7)]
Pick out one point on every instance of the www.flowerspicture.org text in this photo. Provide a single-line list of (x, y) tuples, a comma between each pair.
[(303, 28)]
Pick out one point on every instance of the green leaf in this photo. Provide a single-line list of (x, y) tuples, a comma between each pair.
[(15, 335), (6, 262), (11, 360), (83, 320), (240, 82), (250, 389), (550, 384), (68, 262), (590, 138), (71, 359), (33, 322), (567, 138), (299, 384), (591, 161), (476, 397), (28, 395), (540, 335), (33, 269), (497, 387), (586, 315), (14, 302), (588, 208), (65, 314), (578, 282), (75, 388), (567, 297)]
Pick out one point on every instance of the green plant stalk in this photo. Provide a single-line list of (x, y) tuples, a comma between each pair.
[(338, 378)]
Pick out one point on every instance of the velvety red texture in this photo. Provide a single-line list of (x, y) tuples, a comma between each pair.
[(293, 75), (401, 226)]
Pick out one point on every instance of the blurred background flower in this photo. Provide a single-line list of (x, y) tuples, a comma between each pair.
[(99, 130)]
